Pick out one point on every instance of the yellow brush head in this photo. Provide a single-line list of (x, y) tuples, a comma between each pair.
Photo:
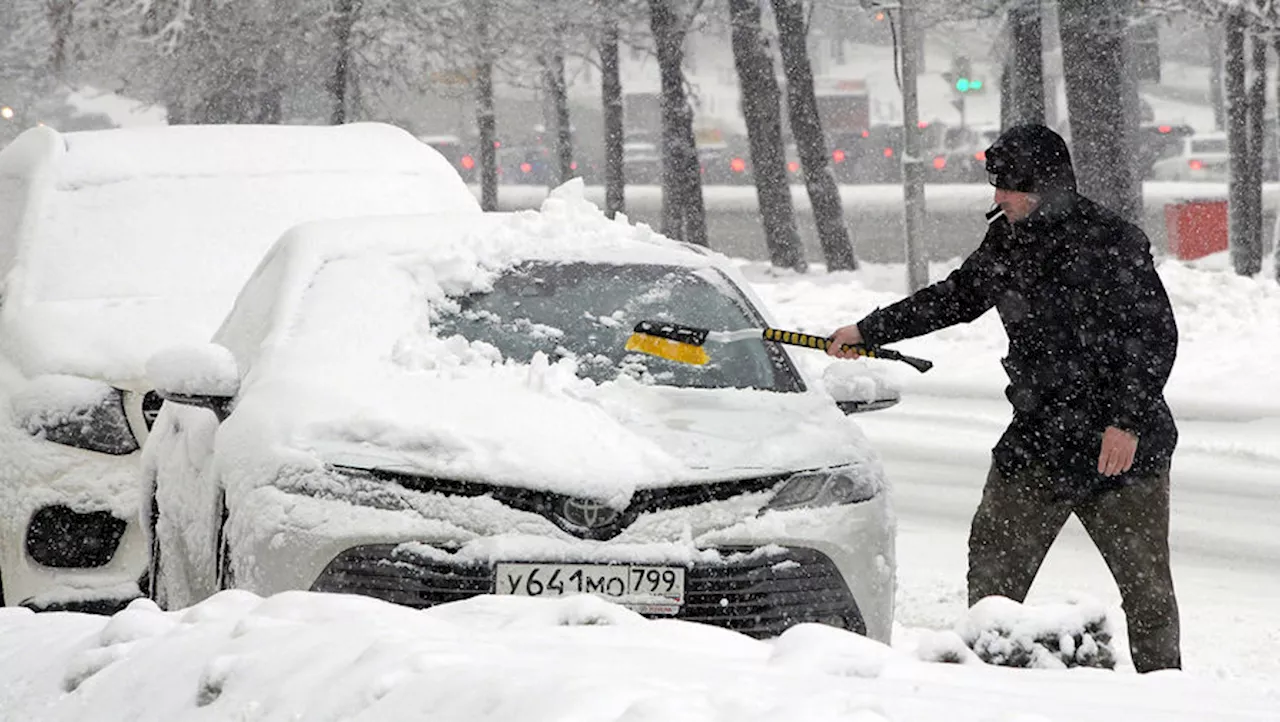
[(684, 353)]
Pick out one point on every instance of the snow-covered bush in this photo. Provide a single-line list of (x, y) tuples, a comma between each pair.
[(1054, 636)]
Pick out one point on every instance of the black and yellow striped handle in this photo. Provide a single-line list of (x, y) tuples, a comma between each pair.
[(794, 338)]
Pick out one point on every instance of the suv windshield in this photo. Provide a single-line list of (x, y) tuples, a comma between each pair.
[(587, 311)]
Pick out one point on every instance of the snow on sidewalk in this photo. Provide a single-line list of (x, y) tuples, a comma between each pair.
[(315, 657)]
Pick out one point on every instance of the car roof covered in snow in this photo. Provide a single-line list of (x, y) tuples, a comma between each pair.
[(116, 243), (467, 247)]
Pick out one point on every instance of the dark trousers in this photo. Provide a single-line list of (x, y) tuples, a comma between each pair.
[(1019, 518)]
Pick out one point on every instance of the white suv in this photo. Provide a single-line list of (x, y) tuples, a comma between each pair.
[(113, 243)]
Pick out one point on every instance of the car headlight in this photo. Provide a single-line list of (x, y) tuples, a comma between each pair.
[(73, 411), (825, 487)]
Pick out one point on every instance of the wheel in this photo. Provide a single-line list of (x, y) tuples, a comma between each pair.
[(226, 576)]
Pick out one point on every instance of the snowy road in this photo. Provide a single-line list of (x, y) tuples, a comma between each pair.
[(1225, 536)]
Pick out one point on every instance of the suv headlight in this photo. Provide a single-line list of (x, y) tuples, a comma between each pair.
[(825, 487), (74, 411)]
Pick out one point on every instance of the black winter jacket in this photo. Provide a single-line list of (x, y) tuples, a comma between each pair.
[(1092, 338)]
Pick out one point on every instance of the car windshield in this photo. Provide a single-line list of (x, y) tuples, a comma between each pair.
[(1209, 145), (587, 311)]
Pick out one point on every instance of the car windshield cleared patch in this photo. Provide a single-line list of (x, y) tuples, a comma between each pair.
[(587, 310)]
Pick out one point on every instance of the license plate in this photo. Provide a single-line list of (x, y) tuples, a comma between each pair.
[(645, 589)]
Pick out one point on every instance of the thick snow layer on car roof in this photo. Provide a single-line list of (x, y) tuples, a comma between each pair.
[(342, 360), (144, 236)]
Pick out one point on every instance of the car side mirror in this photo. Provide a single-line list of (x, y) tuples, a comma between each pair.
[(857, 386), (202, 375)]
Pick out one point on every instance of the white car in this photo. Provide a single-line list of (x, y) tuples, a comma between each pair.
[(114, 244), (429, 409), (1203, 157)]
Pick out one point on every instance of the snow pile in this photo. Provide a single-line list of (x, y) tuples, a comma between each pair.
[(123, 112), (320, 657), (1003, 632)]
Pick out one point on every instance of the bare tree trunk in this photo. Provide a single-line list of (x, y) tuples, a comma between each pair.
[(611, 92), (1026, 67), (1216, 94), (683, 213), (1239, 221), (762, 110), (339, 83), (1249, 259), (60, 14), (1101, 94), (486, 122), (806, 128), (1275, 233), (559, 127)]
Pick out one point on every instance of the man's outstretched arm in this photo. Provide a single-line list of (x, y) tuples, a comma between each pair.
[(961, 297)]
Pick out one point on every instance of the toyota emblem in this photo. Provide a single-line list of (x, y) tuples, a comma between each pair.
[(587, 514)]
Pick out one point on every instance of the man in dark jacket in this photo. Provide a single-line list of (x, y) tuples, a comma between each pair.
[(1092, 340)]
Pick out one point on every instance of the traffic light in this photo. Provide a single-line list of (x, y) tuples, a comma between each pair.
[(961, 76)]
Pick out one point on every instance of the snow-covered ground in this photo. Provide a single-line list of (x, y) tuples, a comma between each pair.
[(317, 657)]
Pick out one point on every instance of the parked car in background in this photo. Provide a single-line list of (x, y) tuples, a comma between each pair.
[(1157, 141), (112, 244), (961, 157), (474, 425), (1201, 157), (459, 154)]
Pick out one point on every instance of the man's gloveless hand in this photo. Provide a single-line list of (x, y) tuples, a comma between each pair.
[(845, 336), (1118, 449)]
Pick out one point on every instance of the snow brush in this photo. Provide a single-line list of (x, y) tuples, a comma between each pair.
[(685, 344)]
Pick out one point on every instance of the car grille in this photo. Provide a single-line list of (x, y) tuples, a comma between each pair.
[(758, 595), (552, 506)]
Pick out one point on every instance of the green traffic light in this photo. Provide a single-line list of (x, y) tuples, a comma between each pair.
[(962, 85), (975, 85)]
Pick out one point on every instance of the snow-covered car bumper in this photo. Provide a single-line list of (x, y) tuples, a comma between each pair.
[(69, 537), (742, 565)]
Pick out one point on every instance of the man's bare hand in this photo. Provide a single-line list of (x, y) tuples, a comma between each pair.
[(845, 336), (1118, 448)]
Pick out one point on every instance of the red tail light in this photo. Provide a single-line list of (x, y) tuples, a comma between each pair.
[(573, 165), (1196, 164), (497, 144), (940, 162), (793, 166), (837, 155), (467, 162), (922, 124), (1165, 129), (737, 165), (866, 134), (526, 168), (888, 152), (980, 155)]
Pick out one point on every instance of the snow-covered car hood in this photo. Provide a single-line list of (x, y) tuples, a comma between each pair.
[(541, 427)]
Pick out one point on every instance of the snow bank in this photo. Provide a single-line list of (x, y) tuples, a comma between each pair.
[(121, 111), (319, 657)]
